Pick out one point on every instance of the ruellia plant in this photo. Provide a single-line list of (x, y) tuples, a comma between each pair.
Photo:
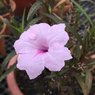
[(72, 25)]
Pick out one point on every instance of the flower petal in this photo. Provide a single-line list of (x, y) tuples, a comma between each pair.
[(33, 38), (36, 35), (59, 52), (52, 64), (56, 56), (33, 65), (35, 31), (24, 47), (58, 34), (42, 46)]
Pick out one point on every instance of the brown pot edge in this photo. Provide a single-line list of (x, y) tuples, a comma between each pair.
[(11, 82)]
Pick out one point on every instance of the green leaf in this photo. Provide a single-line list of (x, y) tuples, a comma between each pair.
[(34, 21), (7, 59), (23, 22), (15, 28), (13, 67), (53, 18), (83, 11), (78, 51), (93, 32), (34, 9), (72, 30), (91, 1), (11, 26), (85, 83)]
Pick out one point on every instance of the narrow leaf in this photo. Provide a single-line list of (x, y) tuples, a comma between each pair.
[(83, 11), (85, 83), (13, 67), (34, 21), (23, 22), (53, 18), (7, 59), (34, 9)]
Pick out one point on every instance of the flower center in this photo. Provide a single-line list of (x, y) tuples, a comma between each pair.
[(43, 50)]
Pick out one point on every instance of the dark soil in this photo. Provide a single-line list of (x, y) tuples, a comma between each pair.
[(44, 86)]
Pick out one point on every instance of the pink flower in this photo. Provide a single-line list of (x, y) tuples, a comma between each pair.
[(42, 46)]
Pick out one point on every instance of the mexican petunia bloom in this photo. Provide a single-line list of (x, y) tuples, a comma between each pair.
[(42, 46)]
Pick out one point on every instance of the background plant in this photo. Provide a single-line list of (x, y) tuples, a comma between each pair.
[(82, 42)]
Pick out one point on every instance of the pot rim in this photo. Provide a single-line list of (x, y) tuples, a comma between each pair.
[(11, 80)]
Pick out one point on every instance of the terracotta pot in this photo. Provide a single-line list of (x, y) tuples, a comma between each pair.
[(18, 6), (11, 81)]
